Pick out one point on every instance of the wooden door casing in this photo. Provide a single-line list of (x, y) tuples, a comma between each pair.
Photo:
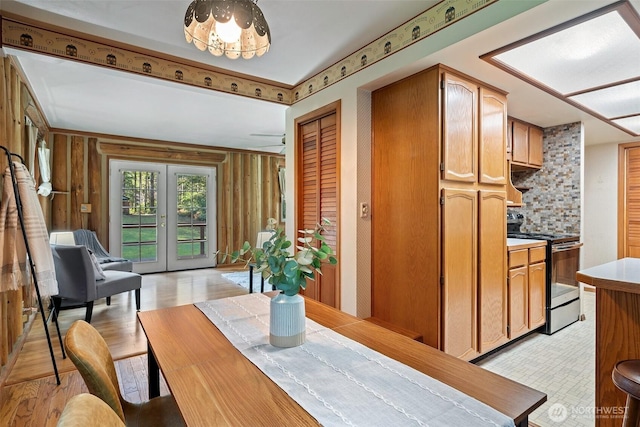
[(492, 272), (459, 269), (460, 129)]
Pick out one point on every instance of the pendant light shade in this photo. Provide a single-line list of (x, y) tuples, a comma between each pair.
[(232, 28)]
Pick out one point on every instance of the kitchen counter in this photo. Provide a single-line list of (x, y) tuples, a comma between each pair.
[(617, 286), (524, 243), (621, 275)]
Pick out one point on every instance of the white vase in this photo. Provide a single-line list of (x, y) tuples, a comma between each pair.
[(287, 321)]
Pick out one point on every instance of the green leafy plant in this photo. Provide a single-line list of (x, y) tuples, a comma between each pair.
[(283, 269)]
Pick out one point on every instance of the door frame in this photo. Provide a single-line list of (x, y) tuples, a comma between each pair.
[(332, 108)]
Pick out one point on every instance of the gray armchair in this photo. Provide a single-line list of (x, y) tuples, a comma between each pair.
[(77, 281)]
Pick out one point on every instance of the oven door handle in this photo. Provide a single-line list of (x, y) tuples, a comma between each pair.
[(567, 247)]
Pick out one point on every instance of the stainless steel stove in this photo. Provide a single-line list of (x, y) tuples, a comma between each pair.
[(562, 287)]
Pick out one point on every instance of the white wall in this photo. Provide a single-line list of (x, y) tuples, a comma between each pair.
[(600, 230), (355, 155)]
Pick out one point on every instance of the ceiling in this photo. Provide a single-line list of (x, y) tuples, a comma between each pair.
[(307, 36)]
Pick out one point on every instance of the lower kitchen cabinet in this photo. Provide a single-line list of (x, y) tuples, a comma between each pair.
[(526, 289), (518, 301), (537, 278)]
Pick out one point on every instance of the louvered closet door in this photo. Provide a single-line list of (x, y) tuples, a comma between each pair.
[(632, 204), (318, 191)]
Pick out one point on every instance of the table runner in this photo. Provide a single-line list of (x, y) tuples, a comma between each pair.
[(339, 381)]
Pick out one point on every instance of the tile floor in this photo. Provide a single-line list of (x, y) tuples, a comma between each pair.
[(561, 365)]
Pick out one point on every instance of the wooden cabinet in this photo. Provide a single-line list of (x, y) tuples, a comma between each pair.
[(459, 129), (492, 150), (526, 289), (492, 280), (405, 289), (459, 263), (537, 294), (439, 171), (526, 145), (520, 143), (535, 146), (518, 301), (537, 286)]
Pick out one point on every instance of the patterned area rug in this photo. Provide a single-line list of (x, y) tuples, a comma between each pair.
[(242, 278)]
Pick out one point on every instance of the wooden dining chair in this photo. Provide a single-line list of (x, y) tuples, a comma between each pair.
[(626, 376), (88, 410), (90, 354)]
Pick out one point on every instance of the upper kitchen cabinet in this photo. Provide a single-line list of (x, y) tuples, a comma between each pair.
[(459, 129), (535, 146), (526, 145), (492, 137)]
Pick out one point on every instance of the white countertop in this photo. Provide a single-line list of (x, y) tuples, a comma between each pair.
[(621, 275), (525, 243)]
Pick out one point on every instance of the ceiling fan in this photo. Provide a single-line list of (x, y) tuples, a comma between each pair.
[(272, 135)]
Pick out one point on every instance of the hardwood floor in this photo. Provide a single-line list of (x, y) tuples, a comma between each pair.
[(31, 396)]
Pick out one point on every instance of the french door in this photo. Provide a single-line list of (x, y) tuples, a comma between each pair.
[(162, 217)]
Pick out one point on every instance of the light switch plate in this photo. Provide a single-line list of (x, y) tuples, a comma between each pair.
[(364, 210)]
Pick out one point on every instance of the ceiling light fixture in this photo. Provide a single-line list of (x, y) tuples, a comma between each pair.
[(587, 62), (232, 28)]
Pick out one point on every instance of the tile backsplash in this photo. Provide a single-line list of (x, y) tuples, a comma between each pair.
[(552, 205)]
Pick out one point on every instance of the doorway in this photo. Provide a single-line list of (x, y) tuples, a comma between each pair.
[(162, 217)]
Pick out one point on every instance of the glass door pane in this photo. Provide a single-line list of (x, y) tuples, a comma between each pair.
[(139, 215), (192, 216)]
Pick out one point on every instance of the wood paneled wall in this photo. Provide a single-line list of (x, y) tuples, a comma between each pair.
[(248, 191), (12, 137), (248, 195)]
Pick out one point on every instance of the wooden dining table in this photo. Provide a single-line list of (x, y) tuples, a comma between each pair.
[(214, 384)]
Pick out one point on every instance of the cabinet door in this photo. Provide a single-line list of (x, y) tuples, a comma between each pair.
[(520, 143), (537, 294), (492, 137), (509, 138), (459, 129), (535, 146), (518, 302), (459, 269), (492, 272)]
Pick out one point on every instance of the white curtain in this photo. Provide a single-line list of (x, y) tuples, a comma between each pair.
[(32, 131), (43, 159), (45, 171), (283, 202)]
